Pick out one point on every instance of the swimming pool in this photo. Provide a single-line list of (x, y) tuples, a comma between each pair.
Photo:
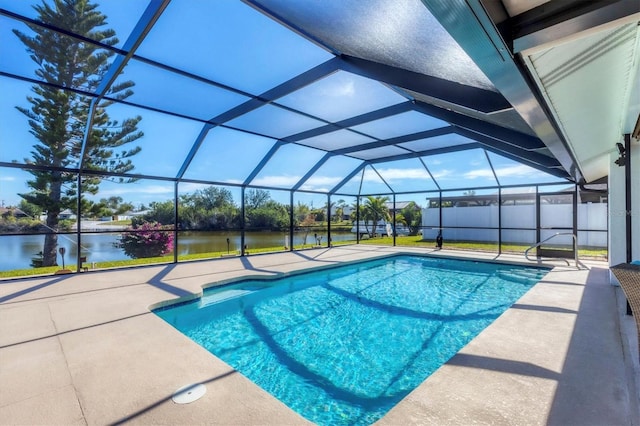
[(346, 344)]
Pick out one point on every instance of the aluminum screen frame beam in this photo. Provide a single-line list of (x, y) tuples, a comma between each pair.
[(426, 153), (471, 97), (349, 177), (311, 171), (508, 136), (470, 25), (352, 121), (143, 26), (532, 159), (393, 141)]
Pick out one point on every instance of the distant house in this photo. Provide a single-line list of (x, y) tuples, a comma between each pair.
[(400, 205), (67, 214), (346, 212), (137, 214), (124, 216)]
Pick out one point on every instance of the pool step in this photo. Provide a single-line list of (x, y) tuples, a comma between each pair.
[(221, 296), (234, 291), (520, 276)]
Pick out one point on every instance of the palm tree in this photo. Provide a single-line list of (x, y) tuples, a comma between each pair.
[(358, 214), (412, 215), (375, 209)]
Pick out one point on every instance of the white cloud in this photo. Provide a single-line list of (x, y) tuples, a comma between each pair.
[(316, 188), (323, 180), (516, 170), (322, 183), (184, 187), (519, 170), (479, 173), (442, 174), (278, 181), (7, 178), (395, 174), (346, 88)]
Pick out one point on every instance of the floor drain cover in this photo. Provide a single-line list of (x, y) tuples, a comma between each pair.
[(189, 393)]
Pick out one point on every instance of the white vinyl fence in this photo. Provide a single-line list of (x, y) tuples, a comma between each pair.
[(591, 217)]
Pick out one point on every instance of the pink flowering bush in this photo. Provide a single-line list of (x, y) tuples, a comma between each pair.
[(150, 239)]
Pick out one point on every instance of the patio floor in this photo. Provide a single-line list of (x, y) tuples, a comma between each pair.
[(85, 349)]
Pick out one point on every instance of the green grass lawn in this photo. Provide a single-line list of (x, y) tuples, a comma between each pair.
[(116, 222), (401, 241), (416, 241)]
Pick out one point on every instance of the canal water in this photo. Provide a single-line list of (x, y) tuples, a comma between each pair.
[(16, 251)]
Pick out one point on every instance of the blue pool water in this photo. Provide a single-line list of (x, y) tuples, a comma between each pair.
[(344, 345)]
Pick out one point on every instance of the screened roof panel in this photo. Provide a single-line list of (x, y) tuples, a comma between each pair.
[(122, 15), (16, 142), (510, 172), (274, 121), (375, 153), (13, 56), (365, 182), (352, 186), (15, 59), (228, 42), (372, 183), (228, 156), (173, 92), (336, 140), (331, 173), (401, 33), (165, 139), (508, 118), (400, 124), (281, 172), (20, 7), (462, 169), (406, 175), (341, 95), (442, 141)]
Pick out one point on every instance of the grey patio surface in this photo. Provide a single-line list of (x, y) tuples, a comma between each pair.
[(85, 349)]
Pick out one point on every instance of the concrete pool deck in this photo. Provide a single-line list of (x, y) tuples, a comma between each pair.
[(85, 349)]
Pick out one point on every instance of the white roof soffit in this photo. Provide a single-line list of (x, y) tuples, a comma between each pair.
[(590, 83)]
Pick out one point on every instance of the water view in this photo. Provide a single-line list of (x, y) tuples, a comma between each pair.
[(16, 251)]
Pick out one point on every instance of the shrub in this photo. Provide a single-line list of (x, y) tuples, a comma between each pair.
[(150, 239)]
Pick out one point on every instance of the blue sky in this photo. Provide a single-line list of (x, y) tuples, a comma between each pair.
[(211, 41)]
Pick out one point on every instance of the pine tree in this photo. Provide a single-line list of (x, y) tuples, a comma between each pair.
[(58, 118)]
